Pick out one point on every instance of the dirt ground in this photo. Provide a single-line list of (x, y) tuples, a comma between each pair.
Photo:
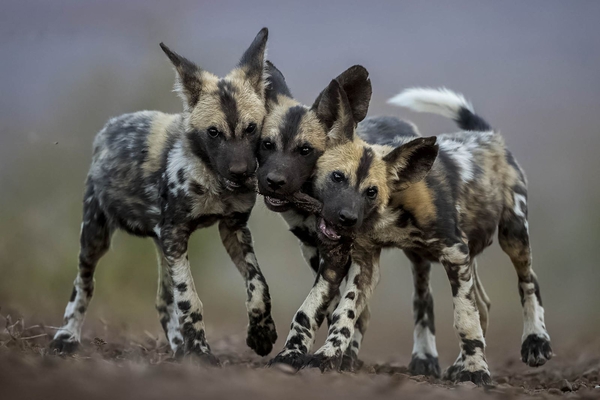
[(117, 367)]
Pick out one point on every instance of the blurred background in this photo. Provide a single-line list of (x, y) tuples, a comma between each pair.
[(530, 68)]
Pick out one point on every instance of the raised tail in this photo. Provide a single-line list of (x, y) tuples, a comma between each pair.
[(443, 102)]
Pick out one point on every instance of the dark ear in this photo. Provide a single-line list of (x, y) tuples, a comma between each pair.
[(253, 61), (357, 85), (411, 162), (189, 83), (333, 110), (276, 85)]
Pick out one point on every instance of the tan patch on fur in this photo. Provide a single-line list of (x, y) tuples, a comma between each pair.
[(312, 131), (156, 142), (418, 200), (208, 112)]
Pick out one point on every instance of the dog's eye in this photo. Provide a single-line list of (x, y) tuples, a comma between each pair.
[(213, 132), (251, 128), (337, 176), (268, 145), (305, 150), (372, 192)]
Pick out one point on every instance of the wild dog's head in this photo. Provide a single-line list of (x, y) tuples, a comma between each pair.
[(295, 136), (355, 181), (224, 116)]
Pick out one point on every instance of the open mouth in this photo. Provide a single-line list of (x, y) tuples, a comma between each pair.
[(232, 184), (328, 231), (275, 202)]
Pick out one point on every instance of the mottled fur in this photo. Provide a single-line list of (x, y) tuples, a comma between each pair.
[(440, 200), (164, 176), (293, 139)]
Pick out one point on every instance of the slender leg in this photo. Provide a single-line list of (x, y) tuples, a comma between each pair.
[(424, 359), (312, 312), (513, 235), (237, 240), (483, 301), (165, 305), (471, 365), (350, 361), (363, 277), (94, 242), (173, 240)]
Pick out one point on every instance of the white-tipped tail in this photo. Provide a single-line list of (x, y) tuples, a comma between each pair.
[(438, 101)]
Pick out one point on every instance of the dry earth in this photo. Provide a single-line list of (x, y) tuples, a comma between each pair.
[(117, 367)]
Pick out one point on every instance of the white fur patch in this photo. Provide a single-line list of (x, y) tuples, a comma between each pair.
[(438, 101)]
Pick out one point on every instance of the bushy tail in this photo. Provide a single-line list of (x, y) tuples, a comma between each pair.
[(443, 102)]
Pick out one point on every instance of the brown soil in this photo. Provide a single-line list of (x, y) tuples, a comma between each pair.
[(116, 367)]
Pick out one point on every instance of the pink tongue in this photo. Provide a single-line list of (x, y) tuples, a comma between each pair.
[(328, 231)]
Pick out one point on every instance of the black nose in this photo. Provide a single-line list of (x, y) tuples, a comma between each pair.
[(238, 170), (347, 218), (275, 181)]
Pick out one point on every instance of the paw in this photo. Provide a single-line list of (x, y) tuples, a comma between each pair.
[(351, 363), (480, 378), (428, 366), (202, 357), (451, 374), (535, 350), (63, 344), (294, 359), (323, 362), (261, 337)]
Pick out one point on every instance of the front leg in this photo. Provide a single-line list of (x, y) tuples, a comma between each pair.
[(173, 241), (310, 316), (237, 240), (363, 277), (471, 364)]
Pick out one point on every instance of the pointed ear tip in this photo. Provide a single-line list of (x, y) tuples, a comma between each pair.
[(264, 32)]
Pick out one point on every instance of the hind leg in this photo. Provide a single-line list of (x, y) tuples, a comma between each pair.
[(513, 235), (165, 305), (94, 242), (424, 359)]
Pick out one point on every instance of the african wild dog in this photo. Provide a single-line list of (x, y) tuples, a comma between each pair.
[(293, 139), (164, 176), (440, 200)]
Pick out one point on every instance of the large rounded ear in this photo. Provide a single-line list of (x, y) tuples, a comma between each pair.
[(276, 85), (333, 110), (357, 85), (188, 83), (411, 162), (253, 61)]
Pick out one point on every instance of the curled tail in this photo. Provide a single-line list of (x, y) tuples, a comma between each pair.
[(443, 102)]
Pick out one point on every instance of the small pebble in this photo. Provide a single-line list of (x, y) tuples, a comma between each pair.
[(566, 386), (555, 391)]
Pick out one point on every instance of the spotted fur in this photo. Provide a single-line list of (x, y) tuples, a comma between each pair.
[(440, 200), (164, 176), (294, 138)]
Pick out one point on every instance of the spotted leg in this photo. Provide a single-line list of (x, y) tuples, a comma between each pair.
[(513, 235), (424, 360), (94, 242), (173, 241), (471, 364), (237, 240), (313, 310), (362, 278), (350, 361), (165, 305)]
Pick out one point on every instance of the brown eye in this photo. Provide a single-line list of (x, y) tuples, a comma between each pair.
[(372, 192), (337, 176), (305, 150), (213, 132), (251, 128), (268, 145)]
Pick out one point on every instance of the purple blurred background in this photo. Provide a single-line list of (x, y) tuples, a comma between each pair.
[(532, 69)]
